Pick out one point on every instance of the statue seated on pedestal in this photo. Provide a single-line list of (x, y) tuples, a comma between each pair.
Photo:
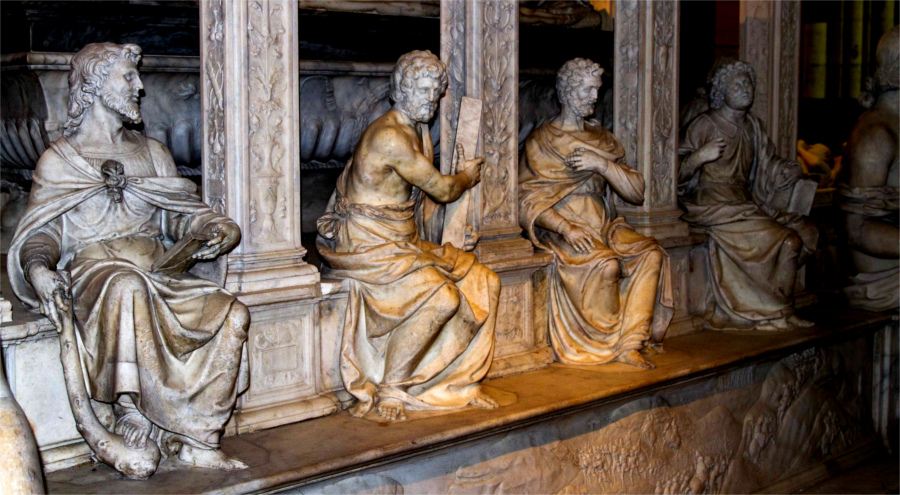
[(871, 192), (729, 180), (419, 327), (611, 288), (159, 347)]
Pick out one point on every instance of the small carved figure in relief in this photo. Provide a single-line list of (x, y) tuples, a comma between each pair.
[(611, 288), (419, 328), (157, 351), (871, 192), (729, 180)]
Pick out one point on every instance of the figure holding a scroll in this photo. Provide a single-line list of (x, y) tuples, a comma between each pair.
[(611, 289), (731, 184), (162, 348), (419, 328)]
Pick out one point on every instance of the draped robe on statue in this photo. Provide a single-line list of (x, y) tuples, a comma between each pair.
[(420, 319), (729, 198), (874, 290), (578, 332), (157, 337)]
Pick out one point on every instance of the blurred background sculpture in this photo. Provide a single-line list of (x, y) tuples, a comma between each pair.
[(419, 327), (732, 185), (156, 352), (869, 197), (611, 288)]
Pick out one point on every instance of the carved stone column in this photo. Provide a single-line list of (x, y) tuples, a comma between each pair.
[(646, 110), (646, 122), (770, 39), (251, 172), (479, 44)]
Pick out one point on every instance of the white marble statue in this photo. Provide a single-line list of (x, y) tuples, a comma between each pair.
[(160, 346), (419, 327), (729, 180), (611, 288)]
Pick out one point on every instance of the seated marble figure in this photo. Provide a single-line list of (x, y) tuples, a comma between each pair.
[(419, 327), (161, 349), (870, 192), (728, 179), (610, 289)]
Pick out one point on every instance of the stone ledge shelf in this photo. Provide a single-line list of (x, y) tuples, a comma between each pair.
[(325, 449)]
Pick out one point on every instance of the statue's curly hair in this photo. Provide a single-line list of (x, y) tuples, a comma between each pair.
[(887, 72), (90, 69), (412, 66), (721, 77), (572, 72)]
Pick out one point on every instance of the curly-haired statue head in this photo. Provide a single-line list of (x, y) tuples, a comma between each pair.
[(88, 81), (418, 80), (887, 73), (578, 76), (734, 85)]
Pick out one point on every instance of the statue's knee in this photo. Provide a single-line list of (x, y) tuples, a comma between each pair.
[(239, 315), (655, 258), (609, 272), (447, 300), (793, 242), (494, 282), (127, 281)]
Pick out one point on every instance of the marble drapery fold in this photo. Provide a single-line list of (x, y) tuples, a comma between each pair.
[(580, 334), (420, 320), (155, 337), (730, 198)]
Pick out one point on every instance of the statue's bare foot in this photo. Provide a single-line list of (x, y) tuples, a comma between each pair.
[(799, 322), (483, 400), (209, 458), (391, 409), (634, 358), (134, 428), (360, 409), (776, 325)]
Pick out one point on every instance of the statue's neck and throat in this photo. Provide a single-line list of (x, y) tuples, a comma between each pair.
[(102, 132), (568, 120)]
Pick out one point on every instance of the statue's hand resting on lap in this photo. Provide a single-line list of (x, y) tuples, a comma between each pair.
[(578, 238)]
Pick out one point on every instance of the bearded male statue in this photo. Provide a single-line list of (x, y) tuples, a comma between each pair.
[(611, 288), (728, 181), (162, 347), (870, 193), (419, 327)]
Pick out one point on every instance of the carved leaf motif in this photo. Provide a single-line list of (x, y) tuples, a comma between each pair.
[(214, 110), (267, 92), (662, 187), (499, 86)]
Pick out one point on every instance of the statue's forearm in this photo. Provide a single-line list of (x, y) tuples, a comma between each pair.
[(688, 167), (552, 221), (40, 249)]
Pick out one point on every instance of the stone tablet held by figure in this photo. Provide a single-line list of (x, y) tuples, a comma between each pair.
[(419, 327)]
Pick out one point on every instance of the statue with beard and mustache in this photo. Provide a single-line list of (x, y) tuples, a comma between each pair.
[(156, 353), (419, 327), (611, 288)]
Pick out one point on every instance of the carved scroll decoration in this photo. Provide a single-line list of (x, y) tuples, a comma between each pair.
[(787, 109), (500, 121), (453, 53), (214, 185), (662, 188), (627, 77), (267, 117), (755, 51)]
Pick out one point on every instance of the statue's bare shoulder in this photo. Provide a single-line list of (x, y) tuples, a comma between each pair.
[(162, 159), (872, 148)]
